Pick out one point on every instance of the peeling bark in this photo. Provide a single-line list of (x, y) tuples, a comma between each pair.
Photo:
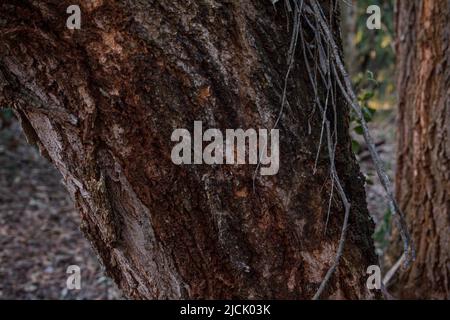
[(423, 162), (103, 101)]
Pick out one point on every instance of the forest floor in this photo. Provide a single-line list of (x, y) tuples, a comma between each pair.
[(39, 233)]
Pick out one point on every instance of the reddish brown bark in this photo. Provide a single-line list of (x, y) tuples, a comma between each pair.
[(423, 174), (102, 103)]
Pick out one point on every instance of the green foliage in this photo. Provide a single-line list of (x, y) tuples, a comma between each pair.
[(382, 232), (375, 50), (371, 61), (364, 98), (371, 49)]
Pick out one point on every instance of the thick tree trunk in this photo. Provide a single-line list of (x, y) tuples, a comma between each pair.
[(102, 103), (423, 163)]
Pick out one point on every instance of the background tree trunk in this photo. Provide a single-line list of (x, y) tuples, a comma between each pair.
[(423, 163), (102, 103)]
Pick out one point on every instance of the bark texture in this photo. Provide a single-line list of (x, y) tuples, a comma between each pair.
[(423, 163), (102, 103)]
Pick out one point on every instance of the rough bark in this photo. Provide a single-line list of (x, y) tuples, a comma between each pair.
[(102, 103), (423, 163)]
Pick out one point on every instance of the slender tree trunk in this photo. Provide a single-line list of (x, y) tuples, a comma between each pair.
[(102, 103), (423, 163)]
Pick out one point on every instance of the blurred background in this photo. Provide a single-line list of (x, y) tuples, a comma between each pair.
[(39, 227)]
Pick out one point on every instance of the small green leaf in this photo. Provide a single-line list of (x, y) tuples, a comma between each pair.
[(356, 147), (359, 130), (368, 113), (367, 96)]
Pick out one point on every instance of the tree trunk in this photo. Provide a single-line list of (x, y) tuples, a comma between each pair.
[(102, 103), (423, 162)]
